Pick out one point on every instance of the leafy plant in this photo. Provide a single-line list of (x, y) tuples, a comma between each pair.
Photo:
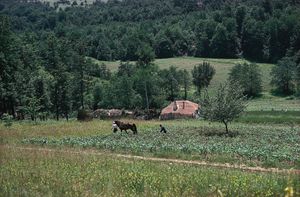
[(7, 119), (227, 105)]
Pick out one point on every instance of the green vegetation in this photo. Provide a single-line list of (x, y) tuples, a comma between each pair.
[(202, 75), (249, 77), (59, 48), (60, 172), (222, 66), (228, 104), (283, 76), (274, 117), (25, 172), (251, 144), (64, 63), (265, 102)]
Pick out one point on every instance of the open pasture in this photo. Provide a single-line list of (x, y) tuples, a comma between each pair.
[(60, 172)]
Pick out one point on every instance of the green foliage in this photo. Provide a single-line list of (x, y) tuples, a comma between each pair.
[(171, 81), (7, 119), (65, 174), (44, 52), (223, 44), (186, 81), (32, 107), (202, 75), (145, 55), (126, 69), (249, 77), (225, 106), (84, 115), (283, 75), (259, 30)]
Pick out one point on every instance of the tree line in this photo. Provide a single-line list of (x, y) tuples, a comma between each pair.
[(261, 31), (45, 71), (56, 79)]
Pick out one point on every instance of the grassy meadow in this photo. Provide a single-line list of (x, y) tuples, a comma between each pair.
[(57, 173), (41, 173)]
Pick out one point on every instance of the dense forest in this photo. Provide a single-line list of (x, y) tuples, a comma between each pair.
[(43, 51)]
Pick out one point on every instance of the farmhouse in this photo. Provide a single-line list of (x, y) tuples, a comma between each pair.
[(180, 109)]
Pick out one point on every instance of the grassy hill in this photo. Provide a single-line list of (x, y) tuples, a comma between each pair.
[(222, 67), (267, 102)]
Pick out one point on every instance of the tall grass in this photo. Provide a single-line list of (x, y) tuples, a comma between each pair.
[(32, 173)]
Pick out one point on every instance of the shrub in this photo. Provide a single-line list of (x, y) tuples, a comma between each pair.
[(7, 119), (84, 115)]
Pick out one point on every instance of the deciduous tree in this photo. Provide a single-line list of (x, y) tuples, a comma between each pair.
[(225, 106), (202, 75)]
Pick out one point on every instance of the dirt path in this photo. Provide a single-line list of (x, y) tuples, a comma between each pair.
[(156, 159)]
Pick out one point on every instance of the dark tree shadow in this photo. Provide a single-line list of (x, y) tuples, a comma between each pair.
[(275, 92)]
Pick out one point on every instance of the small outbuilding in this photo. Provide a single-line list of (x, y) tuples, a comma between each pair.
[(179, 109)]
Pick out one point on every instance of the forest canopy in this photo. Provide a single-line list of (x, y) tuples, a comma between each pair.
[(262, 31), (44, 51)]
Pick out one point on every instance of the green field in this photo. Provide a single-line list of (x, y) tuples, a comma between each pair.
[(255, 145), (65, 167), (41, 173)]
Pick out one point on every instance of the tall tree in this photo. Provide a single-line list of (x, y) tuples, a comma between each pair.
[(172, 81), (283, 75), (202, 75), (186, 82), (248, 76), (224, 42), (9, 68), (147, 84)]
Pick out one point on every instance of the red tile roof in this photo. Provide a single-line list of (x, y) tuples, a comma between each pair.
[(181, 108)]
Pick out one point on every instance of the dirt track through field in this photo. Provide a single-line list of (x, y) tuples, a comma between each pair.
[(156, 159)]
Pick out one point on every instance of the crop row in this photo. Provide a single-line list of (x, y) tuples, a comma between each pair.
[(281, 145)]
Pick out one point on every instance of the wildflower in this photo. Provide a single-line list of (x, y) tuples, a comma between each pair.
[(289, 192)]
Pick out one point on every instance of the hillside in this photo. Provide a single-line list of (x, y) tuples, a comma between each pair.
[(267, 102)]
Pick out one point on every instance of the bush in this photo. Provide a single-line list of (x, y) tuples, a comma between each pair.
[(7, 119), (84, 115)]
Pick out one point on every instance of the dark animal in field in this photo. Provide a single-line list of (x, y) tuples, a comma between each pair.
[(125, 126)]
